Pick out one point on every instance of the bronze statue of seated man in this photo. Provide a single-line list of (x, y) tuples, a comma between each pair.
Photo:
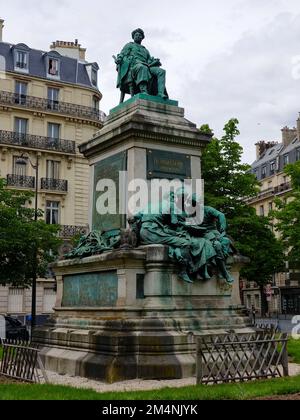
[(138, 72)]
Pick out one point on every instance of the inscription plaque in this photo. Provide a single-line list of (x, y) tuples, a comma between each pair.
[(90, 290), (168, 165)]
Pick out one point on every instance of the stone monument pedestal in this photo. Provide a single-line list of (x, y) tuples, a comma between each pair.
[(125, 315)]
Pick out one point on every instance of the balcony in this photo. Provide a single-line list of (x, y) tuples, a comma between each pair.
[(283, 188), (37, 142), (68, 232), (20, 181), (46, 105), (58, 185)]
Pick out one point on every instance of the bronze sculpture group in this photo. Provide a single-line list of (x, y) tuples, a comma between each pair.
[(199, 250)]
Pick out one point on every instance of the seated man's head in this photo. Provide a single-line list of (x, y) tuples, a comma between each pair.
[(138, 35)]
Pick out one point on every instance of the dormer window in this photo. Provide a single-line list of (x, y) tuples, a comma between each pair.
[(273, 167), (53, 64), (53, 67), (94, 77), (92, 70), (21, 58)]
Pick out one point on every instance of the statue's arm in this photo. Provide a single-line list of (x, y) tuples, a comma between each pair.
[(125, 52), (221, 218)]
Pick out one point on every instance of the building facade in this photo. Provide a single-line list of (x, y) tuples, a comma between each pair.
[(272, 157), (49, 105)]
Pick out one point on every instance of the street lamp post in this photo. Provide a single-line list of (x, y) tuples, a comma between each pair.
[(22, 160)]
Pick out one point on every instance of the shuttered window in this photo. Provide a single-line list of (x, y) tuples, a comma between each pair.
[(15, 301)]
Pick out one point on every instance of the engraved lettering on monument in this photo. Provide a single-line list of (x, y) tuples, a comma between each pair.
[(168, 165)]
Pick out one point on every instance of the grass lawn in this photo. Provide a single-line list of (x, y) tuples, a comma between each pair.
[(284, 386), (252, 390), (294, 350)]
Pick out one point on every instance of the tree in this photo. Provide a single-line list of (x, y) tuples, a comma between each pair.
[(287, 215), (228, 181), (228, 184), (255, 239), (26, 247)]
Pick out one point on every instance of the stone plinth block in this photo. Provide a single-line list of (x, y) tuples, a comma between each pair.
[(126, 315)]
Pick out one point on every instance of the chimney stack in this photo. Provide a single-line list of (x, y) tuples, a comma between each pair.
[(1, 29), (263, 146), (298, 128), (69, 49), (288, 135)]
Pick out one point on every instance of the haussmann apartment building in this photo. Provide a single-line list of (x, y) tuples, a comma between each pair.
[(283, 296), (49, 105)]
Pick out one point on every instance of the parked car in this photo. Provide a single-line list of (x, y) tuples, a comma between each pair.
[(12, 329)]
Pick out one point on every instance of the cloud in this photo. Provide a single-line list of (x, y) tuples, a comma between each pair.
[(253, 82), (223, 59)]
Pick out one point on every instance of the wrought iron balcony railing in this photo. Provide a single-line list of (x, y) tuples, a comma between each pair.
[(20, 181), (37, 142), (283, 187), (50, 184), (42, 104), (68, 232)]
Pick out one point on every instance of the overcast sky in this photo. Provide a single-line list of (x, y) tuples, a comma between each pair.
[(233, 58)]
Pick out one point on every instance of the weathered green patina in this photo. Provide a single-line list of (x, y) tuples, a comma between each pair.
[(198, 249), (96, 243), (146, 97), (90, 290), (109, 169), (168, 165), (138, 71)]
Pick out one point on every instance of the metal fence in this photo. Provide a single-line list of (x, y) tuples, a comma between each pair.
[(21, 361), (241, 357)]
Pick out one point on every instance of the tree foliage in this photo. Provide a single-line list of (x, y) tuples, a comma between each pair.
[(228, 183), (26, 247), (287, 215), (255, 239)]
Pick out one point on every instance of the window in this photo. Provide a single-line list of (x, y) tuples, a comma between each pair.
[(262, 211), (53, 169), (15, 301), (52, 213), (53, 98), (53, 133), (53, 67), (20, 93), (21, 60), (286, 160), (49, 300), (21, 126), (96, 103), (272, 167), (264, 172), (298, 154), (19, 170), (257, 302), (270, 207), (94, 77)]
